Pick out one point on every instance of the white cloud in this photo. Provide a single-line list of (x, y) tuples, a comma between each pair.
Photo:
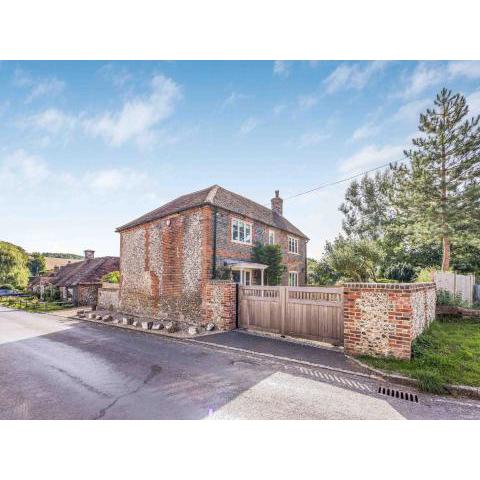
[(410, 112), (371, 156), (278, 109), (468, 69), (281, 68), (473, 101), (352, 76), (425, 75), (114, 179), (50, 120), (248, 126), (233, 98), (429, 74), (138, 117), (20, 169), (305, 102), (116, 75), (365, 131), (311, 139), (38, 87)]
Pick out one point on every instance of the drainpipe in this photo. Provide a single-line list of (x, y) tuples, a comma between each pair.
[(214, 246)]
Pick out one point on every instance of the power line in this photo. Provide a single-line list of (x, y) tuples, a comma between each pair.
[(337, 181)]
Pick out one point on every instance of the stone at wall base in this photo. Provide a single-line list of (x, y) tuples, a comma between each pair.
[(171, 327), (157, 326), (127, 321), (136, 323), (192, 330), (107, 318), (210, 327), (147, 325), (116, 320), (92, 315)]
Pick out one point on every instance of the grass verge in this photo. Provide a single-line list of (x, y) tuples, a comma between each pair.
[(32, 304), (448, 352)]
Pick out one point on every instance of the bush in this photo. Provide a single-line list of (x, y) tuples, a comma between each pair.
[(425, 275), (402, 272), (112, 277), (6, 286), (444, 297)]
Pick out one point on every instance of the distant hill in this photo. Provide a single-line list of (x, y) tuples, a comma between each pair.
[(63, 255)]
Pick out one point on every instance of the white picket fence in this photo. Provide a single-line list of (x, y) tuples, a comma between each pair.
[(456, 284)]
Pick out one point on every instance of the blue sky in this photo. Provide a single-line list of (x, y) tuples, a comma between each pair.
[(88, 146)]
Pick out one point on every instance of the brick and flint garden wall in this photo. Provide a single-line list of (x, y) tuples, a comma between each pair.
[(219, 304), (382, 320), (108, 296)]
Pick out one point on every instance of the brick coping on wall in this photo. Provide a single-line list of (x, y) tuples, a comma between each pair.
[(411, 287)]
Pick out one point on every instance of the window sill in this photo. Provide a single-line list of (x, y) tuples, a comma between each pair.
[(242, 243)]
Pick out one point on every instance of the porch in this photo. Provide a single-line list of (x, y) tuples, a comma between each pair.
[(247, 273)]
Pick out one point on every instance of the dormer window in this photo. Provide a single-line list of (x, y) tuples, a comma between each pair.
[(241, 231)]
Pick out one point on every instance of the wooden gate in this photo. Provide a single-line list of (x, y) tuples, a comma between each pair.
[(310, 312)]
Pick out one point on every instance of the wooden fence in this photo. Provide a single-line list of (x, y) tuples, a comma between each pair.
[(308, 312), (456, 284)]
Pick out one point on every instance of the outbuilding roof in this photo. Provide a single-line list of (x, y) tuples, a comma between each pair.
[(87, 271), (222, 198)]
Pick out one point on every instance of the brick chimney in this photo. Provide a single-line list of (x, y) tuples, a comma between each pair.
[(89, 254), (277, 203)]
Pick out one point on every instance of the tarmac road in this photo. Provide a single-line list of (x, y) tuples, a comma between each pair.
[(57, 368)]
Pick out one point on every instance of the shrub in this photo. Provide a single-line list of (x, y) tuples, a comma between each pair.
[(425, 275), (444, 297), (6, 286), (112, 277), (402, 272)]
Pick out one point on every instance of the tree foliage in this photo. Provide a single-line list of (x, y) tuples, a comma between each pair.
[(437, 194), (112, 277), (366, 208), (37, 264), (13, 265), (320, 273), (62, 255), (357, 260), (270, 255)]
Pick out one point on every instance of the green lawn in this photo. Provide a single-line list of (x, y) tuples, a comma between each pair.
[(448, 352)]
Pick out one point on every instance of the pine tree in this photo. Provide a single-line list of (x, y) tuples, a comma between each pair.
[(438, 193)]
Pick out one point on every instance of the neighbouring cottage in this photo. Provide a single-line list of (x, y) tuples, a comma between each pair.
[(170, 257), (78, 282)]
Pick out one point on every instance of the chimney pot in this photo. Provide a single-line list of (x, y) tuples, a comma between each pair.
[(89, 254), (277, 203)]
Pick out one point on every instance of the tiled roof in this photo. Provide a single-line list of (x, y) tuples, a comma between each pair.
[(222, 198), (87, 271)]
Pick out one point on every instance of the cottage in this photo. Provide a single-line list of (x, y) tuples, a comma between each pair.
[(78, 282), (168, 255)]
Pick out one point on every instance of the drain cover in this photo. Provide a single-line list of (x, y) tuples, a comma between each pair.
[(392, 392)]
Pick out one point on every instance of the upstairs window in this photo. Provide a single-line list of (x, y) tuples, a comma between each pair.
[(241, 231), (271, 237), (293, 245)]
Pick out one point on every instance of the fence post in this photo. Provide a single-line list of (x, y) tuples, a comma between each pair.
[(283, 308)]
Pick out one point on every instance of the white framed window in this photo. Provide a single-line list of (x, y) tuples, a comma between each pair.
[(271, 237), (241, 231), (292, 245), (293, 279)]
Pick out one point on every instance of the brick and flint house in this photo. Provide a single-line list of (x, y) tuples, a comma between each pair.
[(77, 282), (170, 255)]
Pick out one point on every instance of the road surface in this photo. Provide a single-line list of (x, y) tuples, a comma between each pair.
[(57, 368)]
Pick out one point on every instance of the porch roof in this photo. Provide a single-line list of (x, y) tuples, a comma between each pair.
[(245, 264)]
